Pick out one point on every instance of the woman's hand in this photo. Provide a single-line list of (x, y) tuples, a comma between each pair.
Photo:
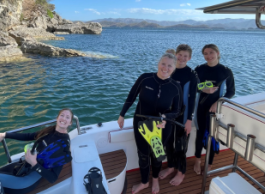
[(162, 124), (121, 121), (2, 136), (210, 90), (188, 127), (31, 159), (213, 107)]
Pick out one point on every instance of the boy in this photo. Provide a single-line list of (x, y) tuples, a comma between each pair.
[(188, 80)]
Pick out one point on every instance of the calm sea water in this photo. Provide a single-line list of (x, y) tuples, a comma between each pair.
[(96, 88)]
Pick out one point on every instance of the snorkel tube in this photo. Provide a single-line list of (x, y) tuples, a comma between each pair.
[(161, 119)]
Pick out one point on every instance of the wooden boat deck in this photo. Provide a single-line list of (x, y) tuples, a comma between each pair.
[(113, 162), (192, 182)]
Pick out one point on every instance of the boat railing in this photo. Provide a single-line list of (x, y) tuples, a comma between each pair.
[(33, 126), (251, 145)]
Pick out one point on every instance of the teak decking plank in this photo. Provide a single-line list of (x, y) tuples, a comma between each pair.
[(113, 167), (192, 182), (114, 162)]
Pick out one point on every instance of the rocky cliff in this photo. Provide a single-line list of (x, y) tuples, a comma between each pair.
[(24, 21), (10, 12)]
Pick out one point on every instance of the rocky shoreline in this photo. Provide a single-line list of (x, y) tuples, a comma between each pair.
[(21, 35)]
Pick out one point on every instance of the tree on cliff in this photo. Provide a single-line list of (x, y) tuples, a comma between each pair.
[(33, 8)]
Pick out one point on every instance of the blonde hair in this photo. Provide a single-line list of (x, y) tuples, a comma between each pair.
[(172, 51), (170, 56)]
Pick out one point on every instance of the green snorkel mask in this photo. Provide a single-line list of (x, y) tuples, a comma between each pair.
[(207, 84), (28, 147)]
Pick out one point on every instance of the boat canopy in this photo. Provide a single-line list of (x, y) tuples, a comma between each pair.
[(256, 7)]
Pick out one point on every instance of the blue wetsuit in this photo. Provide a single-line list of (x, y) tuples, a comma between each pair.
[(188, 79)]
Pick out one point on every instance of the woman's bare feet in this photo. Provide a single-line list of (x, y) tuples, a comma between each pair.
[(197, 166), (155, 186), (178, 178), (139, 187), (164, 173)]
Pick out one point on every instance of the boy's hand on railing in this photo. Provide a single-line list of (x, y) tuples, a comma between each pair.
[(2, 136)]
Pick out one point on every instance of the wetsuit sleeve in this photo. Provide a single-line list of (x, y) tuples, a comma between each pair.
[(176, 104), (50, 175), (192, 94), (132, 95), (230, 85), (22, 136)]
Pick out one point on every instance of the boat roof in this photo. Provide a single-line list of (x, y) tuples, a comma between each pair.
[(236, 7)]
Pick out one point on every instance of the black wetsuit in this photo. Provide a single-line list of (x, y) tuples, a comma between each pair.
[(156, 96), (49, 174), (220, 75), (188, 79)]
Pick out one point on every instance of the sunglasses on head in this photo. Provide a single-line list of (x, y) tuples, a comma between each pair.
[(207, 84)]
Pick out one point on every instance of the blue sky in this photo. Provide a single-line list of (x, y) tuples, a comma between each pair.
[(169, 10)]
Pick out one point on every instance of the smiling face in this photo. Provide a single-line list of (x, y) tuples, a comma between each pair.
[(211, 56), (166, 66), (182, 58), (64, 119)]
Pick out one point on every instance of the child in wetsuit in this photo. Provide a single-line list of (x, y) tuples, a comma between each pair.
[(220, 76), (187, 78)]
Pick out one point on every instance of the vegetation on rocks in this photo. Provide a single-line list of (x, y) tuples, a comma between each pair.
[(34, 8), (24, 22)]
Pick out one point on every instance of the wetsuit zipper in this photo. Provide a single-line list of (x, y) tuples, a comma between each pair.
[(159, 92)]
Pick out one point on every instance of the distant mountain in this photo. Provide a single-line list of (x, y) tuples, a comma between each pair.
[(239, 24)]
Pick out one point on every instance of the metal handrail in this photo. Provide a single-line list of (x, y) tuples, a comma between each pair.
[(33, 126), (250, 140), (223, 99)]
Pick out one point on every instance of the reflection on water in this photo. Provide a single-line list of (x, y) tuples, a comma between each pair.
[(95, 88)]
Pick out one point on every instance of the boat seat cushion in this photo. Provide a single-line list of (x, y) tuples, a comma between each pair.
[(121, 135)]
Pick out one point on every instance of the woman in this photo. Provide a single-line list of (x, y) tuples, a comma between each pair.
[(219, 75), (158, 94), (48, 136)]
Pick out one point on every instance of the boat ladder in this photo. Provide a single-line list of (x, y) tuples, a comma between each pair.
[(215, 124)]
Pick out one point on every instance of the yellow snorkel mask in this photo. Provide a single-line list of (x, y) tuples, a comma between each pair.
[(207, 84)]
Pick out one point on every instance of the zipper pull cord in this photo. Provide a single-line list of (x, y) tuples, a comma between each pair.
[(159, 91)]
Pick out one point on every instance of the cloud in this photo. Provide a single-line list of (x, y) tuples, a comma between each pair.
[(93, 11), (185, 4), (137, 0), (165, 11), (77, 12), (113, 13)]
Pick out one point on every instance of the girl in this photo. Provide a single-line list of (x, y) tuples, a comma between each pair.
[(48, 136), (219, 75)]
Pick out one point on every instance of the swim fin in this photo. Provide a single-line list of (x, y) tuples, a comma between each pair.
[(55, 154), (153, 136)]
